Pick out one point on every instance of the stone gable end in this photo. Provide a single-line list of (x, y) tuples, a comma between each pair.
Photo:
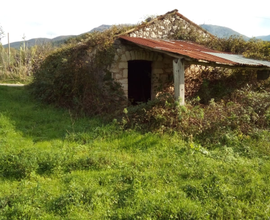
[(167, 26)]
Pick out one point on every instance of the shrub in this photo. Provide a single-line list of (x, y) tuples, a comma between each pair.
[(76, 76), (241, 112)]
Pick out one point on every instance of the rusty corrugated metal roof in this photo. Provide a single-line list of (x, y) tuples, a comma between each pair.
[(241, 59), (196, 52)]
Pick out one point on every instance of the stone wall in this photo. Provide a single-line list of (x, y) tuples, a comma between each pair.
[(162, 69), (168, 26)]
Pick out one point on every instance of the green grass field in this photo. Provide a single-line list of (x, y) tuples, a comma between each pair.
[(54, 165)]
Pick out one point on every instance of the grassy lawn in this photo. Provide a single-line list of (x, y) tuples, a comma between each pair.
[(54, 165)]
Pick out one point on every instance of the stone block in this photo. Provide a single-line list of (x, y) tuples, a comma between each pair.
[(123, 65), (168, 61), (169, 70), (125, 73), (166, 22), (137, 55), (141, 55), (126, 93), (123, 57), (192, 67), (125, 87), (123, 81), (147, 55), (159, 58), (114, 70), (132, 54), (157, 71), (146, 34), (151, 55), (117, 76), (154, 56), (116, 57), (197, 69), (153, 35), (144, 55), (157, 65), (128, 55)]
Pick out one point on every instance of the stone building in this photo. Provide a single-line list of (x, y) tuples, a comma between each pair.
[(148, 56)]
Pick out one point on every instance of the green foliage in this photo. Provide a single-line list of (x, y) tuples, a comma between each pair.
[(20, 64), (188, 34), (241, 111), (76, 76), (1, 33), (252, 48)]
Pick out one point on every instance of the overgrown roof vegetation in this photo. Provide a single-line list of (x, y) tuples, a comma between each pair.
[(253, 48), (76, 75)]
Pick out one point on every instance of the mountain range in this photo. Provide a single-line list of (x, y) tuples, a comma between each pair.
[(57, 40), (219, 31), (224, 32)]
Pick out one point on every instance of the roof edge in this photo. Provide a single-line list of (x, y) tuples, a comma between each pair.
[(198, 26)]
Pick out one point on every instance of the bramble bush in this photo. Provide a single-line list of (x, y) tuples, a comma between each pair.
[(76, 76), (242, 112)]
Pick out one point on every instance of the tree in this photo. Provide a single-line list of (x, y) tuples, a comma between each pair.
[(1, 33)]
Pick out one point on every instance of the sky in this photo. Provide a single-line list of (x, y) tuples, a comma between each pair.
[(52, 18)]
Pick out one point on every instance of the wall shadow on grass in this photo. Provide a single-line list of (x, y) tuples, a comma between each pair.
[(36, 120)]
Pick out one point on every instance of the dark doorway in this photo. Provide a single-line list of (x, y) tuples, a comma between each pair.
[(139, 81)]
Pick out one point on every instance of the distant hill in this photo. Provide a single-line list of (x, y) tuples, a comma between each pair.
[(265, 38), (28, 43), (224, 32), (102, 27), (56, 40), (38, 41), (221, 32)]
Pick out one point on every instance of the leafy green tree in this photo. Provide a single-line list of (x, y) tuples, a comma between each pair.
[(1, 33)]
